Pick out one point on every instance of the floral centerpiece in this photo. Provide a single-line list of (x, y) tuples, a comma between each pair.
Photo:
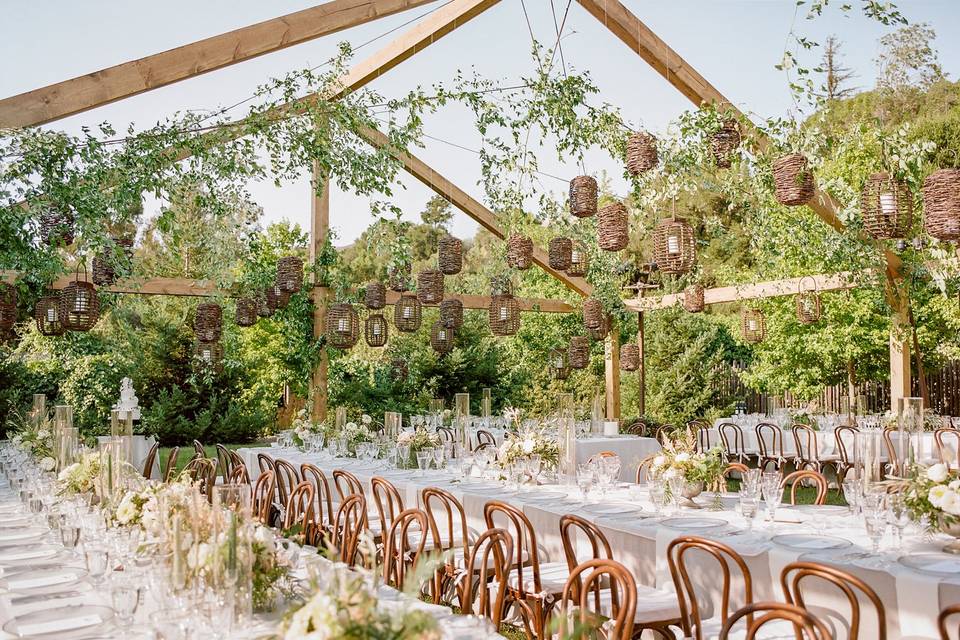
[(303, 427), (804, 416), (417, 440), (680, 458), (933, 498), (34, 434), (354, 434), (528, 443), (80, 477)]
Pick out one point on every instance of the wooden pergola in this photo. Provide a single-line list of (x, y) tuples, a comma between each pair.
[(80, 94)]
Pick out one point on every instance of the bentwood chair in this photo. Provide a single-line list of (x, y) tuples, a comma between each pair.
[(325, 513), (263, 492), (239, 475), (663, 431), (403, 546), (599, 595), (770, 445), (600, 455), (171, 465), (349, 526), (267, 463), (893, 459), (299, 510), (790, 621), (287, 479), (347, 484), (225, 460), (731, 435), (445, 434), (150, 460), (796, 574), (449, 535), (704, 436), (198, 450), (389, 504), (845, 436), (942, 619), (204, 472), (948, 446), (808, 450), (482, 587), (485, 437), (797, 478)]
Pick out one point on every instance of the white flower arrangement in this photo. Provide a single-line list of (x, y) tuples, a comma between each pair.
[(529, 443), (680, 458), (80, 477), (935, 495), (48, 463)]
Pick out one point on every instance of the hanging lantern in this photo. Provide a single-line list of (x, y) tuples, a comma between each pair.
[(375, 295), (558, 364), (441, 338), (592, 313), (79, 304), (246, 312), (398, 277), (600, 331), (613, 229), (451, 313), (375, 330), (406, 313), (793, 180), (941, 203), (504, 314), (578, 353), (208, 322), (641, 153), (559, 253), (8, 306), (450, 255), (724, 142), (56, 228), (290, 274), (630, 357), (674, 247), (693, 298), (583, 196), (209, 355), (808, 303), (579, 260), (342, 326), (430, 286), (519, 251), (753, 326), (281, 297), (47, 315), (104, 274), (886, 205)]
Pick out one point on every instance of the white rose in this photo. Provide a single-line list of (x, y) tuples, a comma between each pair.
[(683, 456), (951, 503), (528, 446), (198, 555), (954, 485), (659, 461), (265, 537), (126, 510), (365, 419), (350, 426), (670, 473), (937, 473), (67, 473), (937, 495)]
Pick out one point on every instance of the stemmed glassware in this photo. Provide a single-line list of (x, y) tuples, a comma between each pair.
[(676, 484), (586, 477), (898, 515), (423, 460), (772, 493), (852, 493), (749, 504)]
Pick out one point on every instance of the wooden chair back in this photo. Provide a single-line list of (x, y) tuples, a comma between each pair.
[(739, 467), (287, 479), (770, 444), (150, 460), (198, 449), (266, 463), (387, 500), (325, 515), (347, 484), (806, 626), (797, 573), (844, 435), (948, 446), (805, 439), (263, 493), (944, 617), (445, 433), (704, 437), (526, 558), (485, 437), (171, 464), (796, 478), (239, 475), (349, 526), (643, 469), (662, 432), (731, 435), (573, 529), (403, 546), (485, 576), (299, 509), (580, 605), (203, 471), (225, 460), (447, 519), (601, 455)]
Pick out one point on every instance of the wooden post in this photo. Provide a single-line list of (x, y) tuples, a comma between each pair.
[(642, 371), (319, 226), (611, 365), (899, 358)]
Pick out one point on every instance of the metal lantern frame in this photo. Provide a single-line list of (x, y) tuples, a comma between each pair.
[(342, 326), (809, 306), (753, 326), (79, 303), (376, 330)]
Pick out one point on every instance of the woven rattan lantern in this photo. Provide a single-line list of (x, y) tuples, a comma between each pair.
[(592, 313), (450, 255), (501, 285), (398, 277), (600, 331), (441, 337), (559, 253), (578, 353), (724, 142), (630, 357), (281, 297), (793, 180), (809, 308), (8, 305), (579, 260), (103, 272), (342, 326), (674, 247), (504, 314), (753, 326), (79, 304), (246, 312), (583, 196), (430, 286), (208, 322), (290, 274), (693, 298), (558, 364), (641, 153), (375, 295), (56, 228), (407, 313), (209, 355), (613, 229), (47, 315), (451, 313), (941, 203), (886, 205), (519, 251), (375, 330)]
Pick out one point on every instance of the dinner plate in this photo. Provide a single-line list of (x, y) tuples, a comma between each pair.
[(36, 580), (610, 509), (21, 535), (27, 553), (934, 564), (821, 509), (480, 486), (542, 496), (693, 524), (809, 542), (60, 623)]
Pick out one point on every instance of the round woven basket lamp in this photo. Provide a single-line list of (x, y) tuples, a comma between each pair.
[(407, 313), (583, 196), (441, 337), (519, 252), (941, 203), (79, 304), (398, 277), (630, 357), (600, 332), (209, 354), (282, 297), (56, 228), (246, 312), (579, 260), (886, 205), (559, 253), (724, 142), (809, 308), (793, 180), (504, 314), (103, 272), (641, 153), (578, 353), (451, 313), (558, 364), (430, 286), (613, 229), (47, 315), (290, 274), (342, 326), (208, 322), (753, 326), (8, 306), (375, 330), (592, 313), (674, 246), (450, 255), (693, 298), (375, 295)]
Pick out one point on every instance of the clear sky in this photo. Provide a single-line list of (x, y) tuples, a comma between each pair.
[(733, 43)]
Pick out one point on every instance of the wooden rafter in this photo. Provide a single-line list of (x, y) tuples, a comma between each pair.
[(542, 305), (98, 88)]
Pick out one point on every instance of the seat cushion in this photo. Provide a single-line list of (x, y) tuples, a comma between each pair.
[(779, 630), (553, 577)]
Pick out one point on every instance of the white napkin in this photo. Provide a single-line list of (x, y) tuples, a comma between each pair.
[(918, 602), (40, 605), (64, 624)]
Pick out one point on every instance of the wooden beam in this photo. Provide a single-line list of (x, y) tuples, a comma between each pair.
[(611, 368), (642, 372), (319, 228), (542, 305), (154, 286), (98, 88), (460, 199), (769, 289)]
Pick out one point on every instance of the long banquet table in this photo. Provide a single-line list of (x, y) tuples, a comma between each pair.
[(639, 539)]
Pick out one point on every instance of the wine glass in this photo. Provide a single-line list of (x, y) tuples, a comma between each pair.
[(438, 456), (677, 484), (749, 505), (586, 475), (772, 495), (898, 515), (851, 493), (423, 461)]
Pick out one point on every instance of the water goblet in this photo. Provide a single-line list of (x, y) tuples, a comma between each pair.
[(438, 456), (748, 506), (97, 561), (125, 596), (772, 495), (423, 461), (586, 476), (851, 493), (69, 535), (676, 484), (898, 515)]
